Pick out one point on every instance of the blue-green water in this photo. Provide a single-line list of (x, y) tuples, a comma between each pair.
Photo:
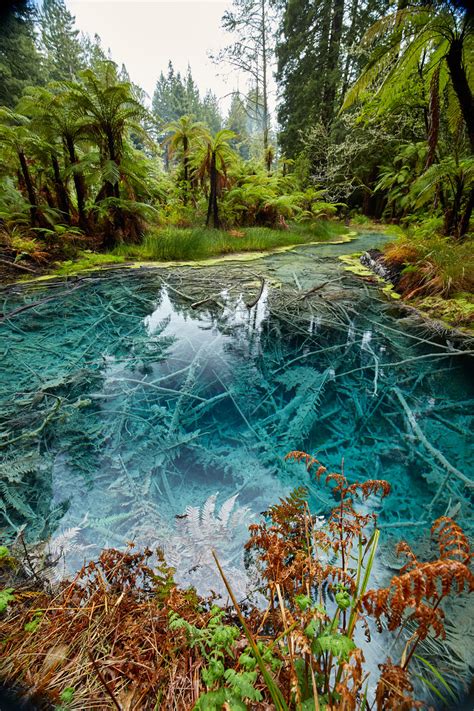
[(124, 402)]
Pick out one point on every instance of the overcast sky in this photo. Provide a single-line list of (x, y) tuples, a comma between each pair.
[(146, 34)]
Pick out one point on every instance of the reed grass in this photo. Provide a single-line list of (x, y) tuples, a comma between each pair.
[(195, 243)]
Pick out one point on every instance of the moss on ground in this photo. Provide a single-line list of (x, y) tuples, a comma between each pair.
[(457, 311), (353, 264)]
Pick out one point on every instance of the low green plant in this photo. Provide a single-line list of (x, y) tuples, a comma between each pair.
[(216, 642), (87, 260), (35, 621), (66, 697), (6, 597)]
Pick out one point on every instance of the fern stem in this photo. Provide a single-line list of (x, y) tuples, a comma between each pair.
[(275, 692)]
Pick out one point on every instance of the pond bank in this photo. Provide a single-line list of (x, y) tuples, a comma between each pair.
[(441, 314)]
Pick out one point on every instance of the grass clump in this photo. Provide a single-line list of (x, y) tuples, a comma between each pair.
[(87, 260), (431, 265), (195, 243)]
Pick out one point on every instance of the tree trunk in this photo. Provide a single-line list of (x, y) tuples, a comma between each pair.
[(115, 191), (186, 169), (264, 69), (461, 86), (79, 186), (332, 66), (30, 189), (350, 41), (61, 192), (451, 215), (433, 119), (212, 207), (466, 218)]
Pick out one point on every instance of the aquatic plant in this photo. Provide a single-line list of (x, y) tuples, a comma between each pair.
[(124, 634)]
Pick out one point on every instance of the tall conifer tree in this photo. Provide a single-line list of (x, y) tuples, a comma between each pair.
[(20, 62), (60, 40)]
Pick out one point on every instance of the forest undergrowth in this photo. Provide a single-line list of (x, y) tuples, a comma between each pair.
[(122, 634)]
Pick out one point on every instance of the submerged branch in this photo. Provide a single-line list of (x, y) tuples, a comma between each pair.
[(433, 451)]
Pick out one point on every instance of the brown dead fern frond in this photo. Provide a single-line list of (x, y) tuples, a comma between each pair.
[(453, 542), (403, 548), (394, 689), (309, 460), (369, 487), (421, 587)]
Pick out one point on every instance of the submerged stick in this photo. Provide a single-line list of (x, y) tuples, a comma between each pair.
[(26, 307), (436, 454), (253, 303), (314, 289)]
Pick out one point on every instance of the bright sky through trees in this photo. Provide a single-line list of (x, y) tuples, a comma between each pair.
[(146, 34)]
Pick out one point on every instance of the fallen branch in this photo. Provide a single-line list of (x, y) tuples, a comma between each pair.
[(436, 454), (18, 266), (317, 288), (253, 303), (26, 307)]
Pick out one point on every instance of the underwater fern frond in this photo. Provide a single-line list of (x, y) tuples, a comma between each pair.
[(14, 470), (226, 510), (207, 514), (17, 501)]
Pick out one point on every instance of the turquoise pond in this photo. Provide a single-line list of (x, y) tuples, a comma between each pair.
[(132, 396), (156, 405)]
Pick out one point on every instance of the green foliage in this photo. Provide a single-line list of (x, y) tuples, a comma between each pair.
[(6, 596), (87, 260), (35, 621), (20, 61), (176, 96), (342, 597), (67, 696), (216, 643), (60, 40), (339, 645)]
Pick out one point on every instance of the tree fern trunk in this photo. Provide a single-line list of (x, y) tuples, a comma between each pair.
[(461, 86), (213, 208), (466, 218), (79, 185), (186, 169), (30, 189), (433, 119), (61, 192)]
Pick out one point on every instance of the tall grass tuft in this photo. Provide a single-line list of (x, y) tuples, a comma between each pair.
[(194, 243), (432, 265)]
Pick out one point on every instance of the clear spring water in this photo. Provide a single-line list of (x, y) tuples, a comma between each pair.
[(126, 398)]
